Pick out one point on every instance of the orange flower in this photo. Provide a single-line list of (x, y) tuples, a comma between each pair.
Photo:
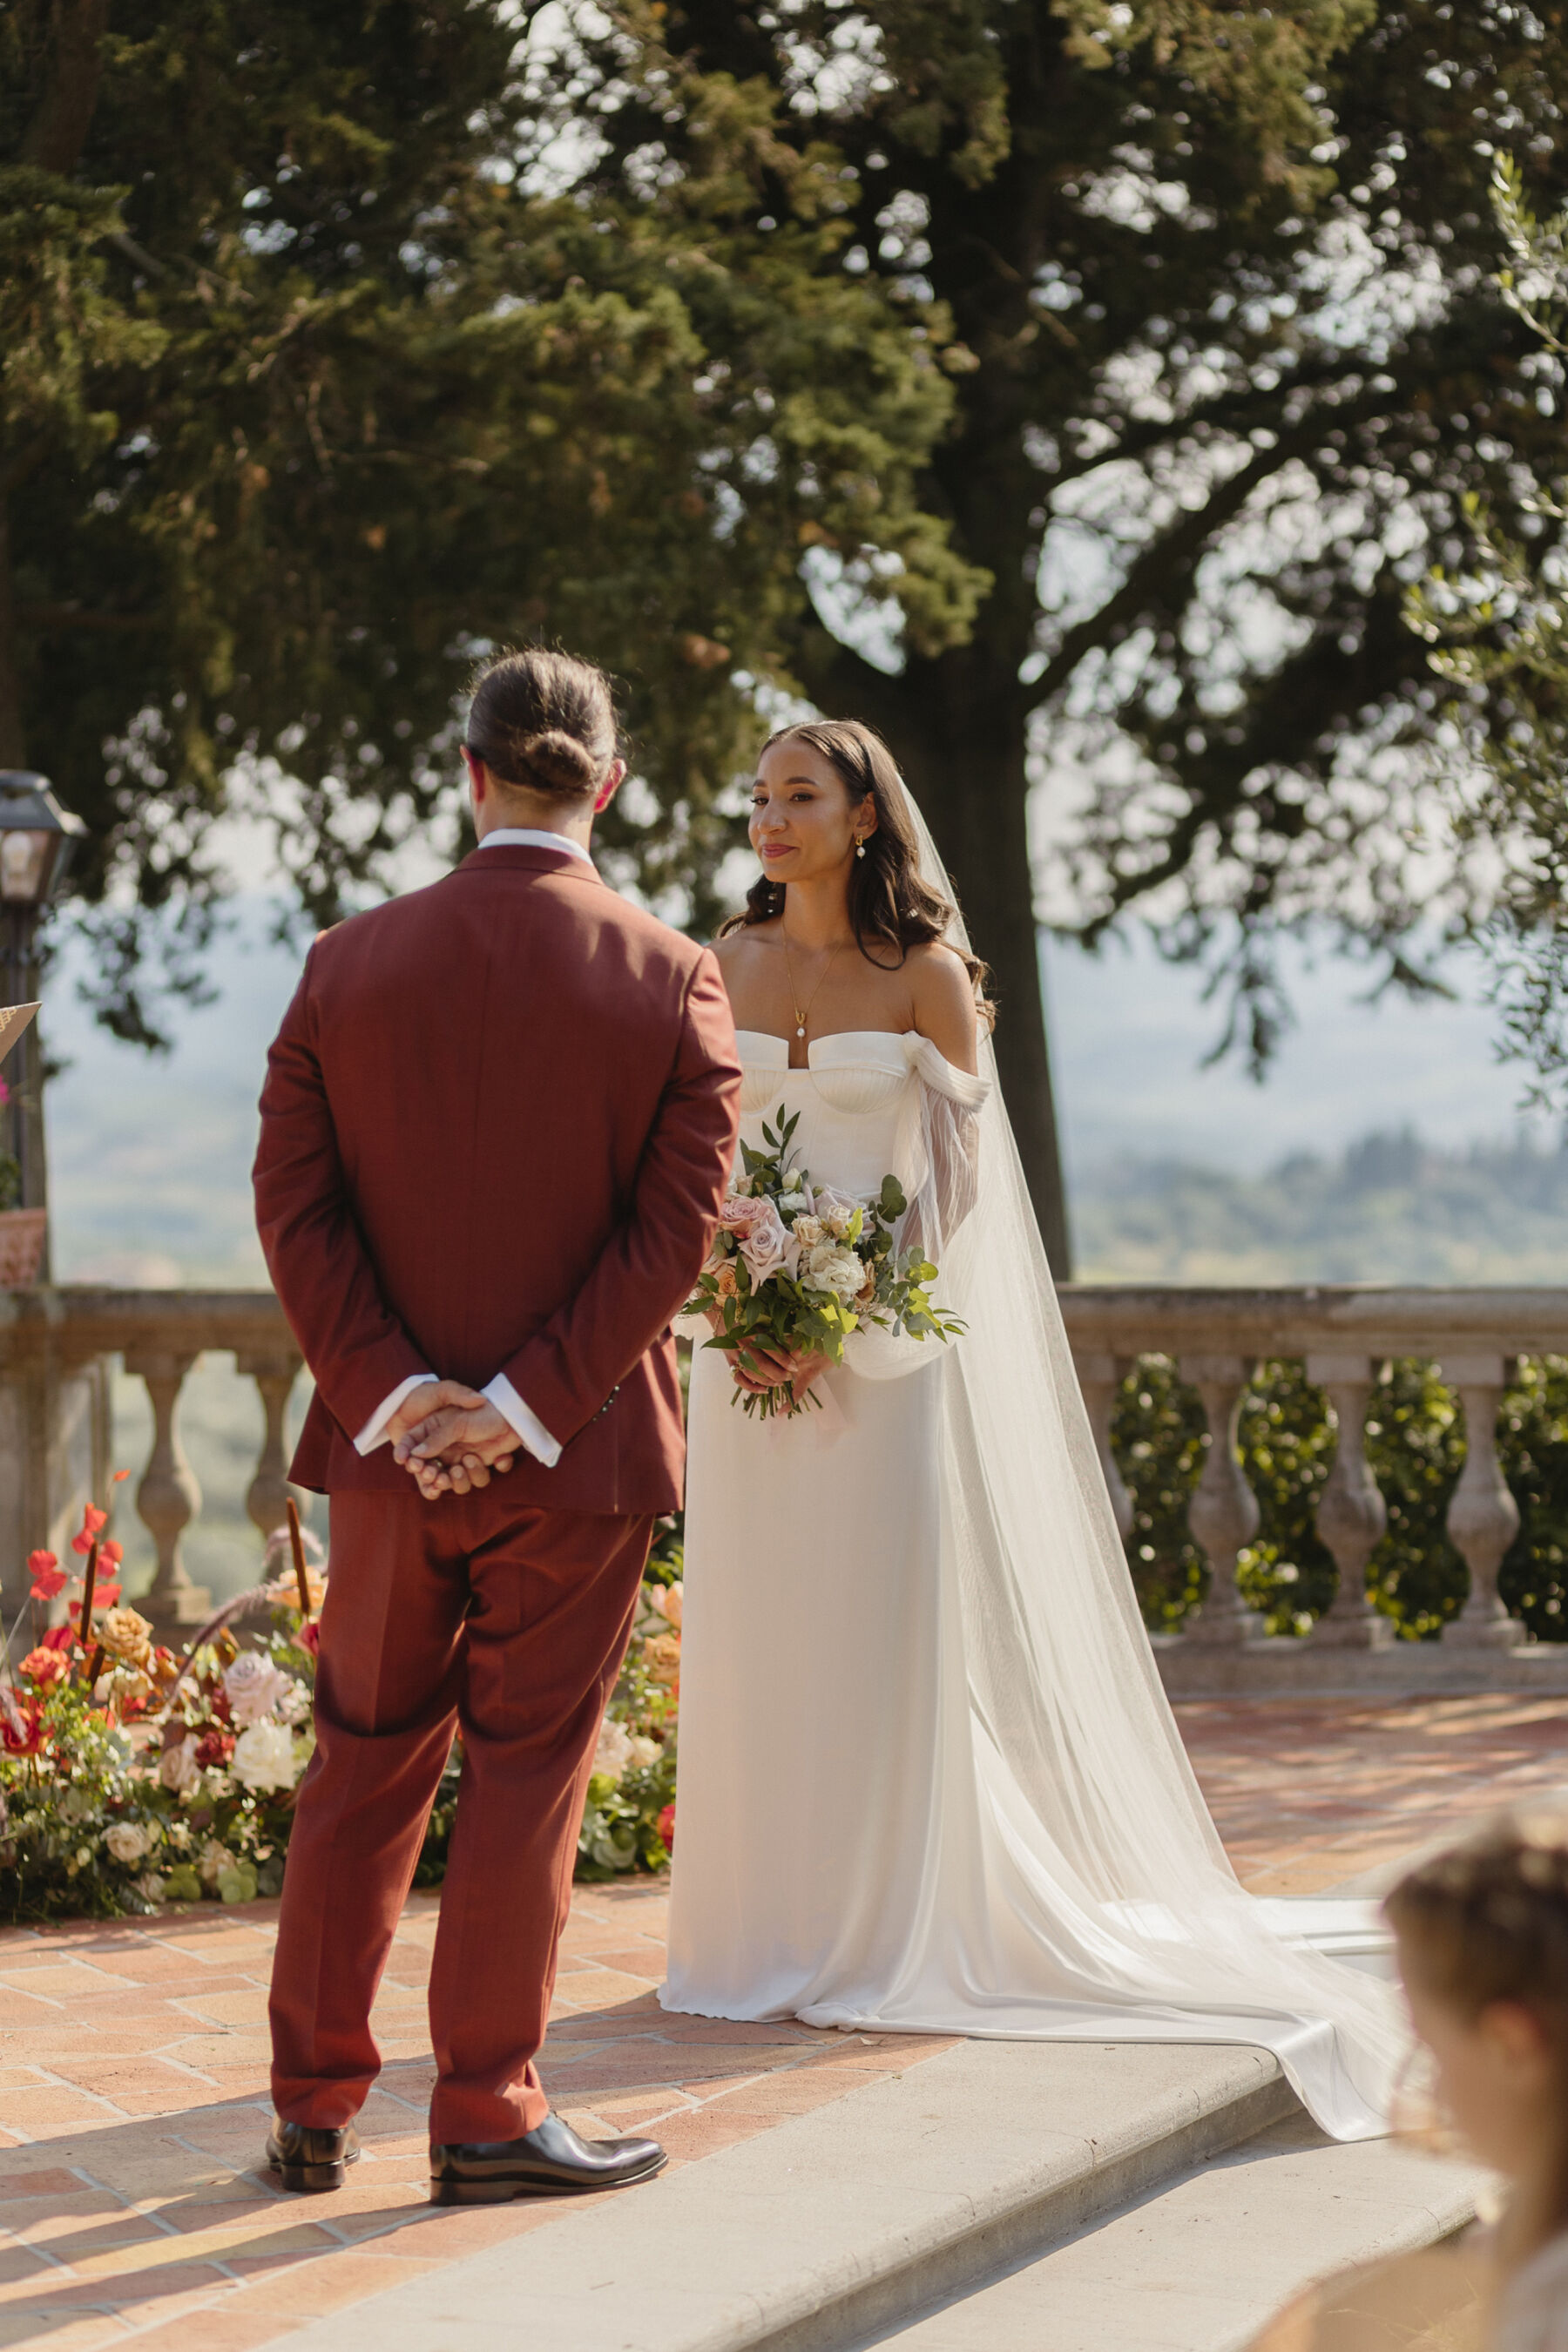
[(45, 1666), (24, 1736)]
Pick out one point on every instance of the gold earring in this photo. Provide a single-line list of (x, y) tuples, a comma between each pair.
[(860, 846)]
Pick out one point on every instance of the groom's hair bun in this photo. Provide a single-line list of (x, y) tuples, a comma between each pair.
[(558, 759), (543, 722)]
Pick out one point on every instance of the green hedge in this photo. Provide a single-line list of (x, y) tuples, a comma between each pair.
[(1415, 1445)]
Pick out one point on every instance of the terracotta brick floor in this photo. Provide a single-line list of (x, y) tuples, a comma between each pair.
[(133, 2105), (132, 2059), (1310, 1793)]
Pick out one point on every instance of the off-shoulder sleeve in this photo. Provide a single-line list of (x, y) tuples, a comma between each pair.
[(942, 1182)]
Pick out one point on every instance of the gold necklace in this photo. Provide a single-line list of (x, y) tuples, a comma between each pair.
[(802, 1011)]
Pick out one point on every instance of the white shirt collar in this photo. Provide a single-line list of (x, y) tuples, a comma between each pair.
[(528, 837)]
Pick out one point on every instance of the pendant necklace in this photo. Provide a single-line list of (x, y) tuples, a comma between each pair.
[(801, 1011)]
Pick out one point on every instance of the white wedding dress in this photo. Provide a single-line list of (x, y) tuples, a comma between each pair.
[(928, 1780)]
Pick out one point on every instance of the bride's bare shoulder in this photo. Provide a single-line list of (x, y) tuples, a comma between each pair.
[(944, 1005), (736, 949)]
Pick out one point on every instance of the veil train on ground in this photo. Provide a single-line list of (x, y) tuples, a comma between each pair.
[(1092, 1800)]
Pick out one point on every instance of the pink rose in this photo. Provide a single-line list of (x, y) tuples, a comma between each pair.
[(739, 1212), (766, 1245)]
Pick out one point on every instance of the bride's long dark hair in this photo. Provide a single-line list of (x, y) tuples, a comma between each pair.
[(890, 906)]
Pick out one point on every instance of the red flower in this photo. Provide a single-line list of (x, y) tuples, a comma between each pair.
[(214, 1748), (120, 1475), (309, 1637), (93, 1522), (104, 1596), (667, 1828), (111, 1552), (26, 1737), (58, 1637), (49, 1576)]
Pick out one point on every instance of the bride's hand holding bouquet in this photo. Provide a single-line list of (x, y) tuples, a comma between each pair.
[(796, 1266)]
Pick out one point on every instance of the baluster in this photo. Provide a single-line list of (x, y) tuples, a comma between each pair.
[(266, 1497), (1352, 1514), (1223, 1514), (168, 1498), (1099, 1377), (1483, 1518)]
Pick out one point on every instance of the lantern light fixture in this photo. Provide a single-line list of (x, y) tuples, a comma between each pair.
[(37, 838)]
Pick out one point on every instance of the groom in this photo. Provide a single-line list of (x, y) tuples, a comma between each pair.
[(496, 1130)]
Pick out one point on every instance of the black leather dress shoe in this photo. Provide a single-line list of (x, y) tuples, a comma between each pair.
[(550, 2162), (309, 2156)]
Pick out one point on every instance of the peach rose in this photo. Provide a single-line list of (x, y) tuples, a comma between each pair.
[(662, 1656), (125, 1633)]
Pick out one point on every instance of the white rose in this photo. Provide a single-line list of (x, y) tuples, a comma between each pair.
[(836, 1208), (264, 1757), (214, 1858), (255, 1685), (613, 1751), (127, 1840), (828, 1268), (808, 1231), (177, 1767), (644, 1752), (152, 1886)]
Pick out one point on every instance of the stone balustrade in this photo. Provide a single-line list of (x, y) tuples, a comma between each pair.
[(56, 1346), (1343, 1335)]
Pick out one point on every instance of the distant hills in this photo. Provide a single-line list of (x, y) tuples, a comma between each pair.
[(1387, 1208)]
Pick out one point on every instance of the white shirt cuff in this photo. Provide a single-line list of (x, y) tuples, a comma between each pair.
[(374, 1432), (528, 1425)]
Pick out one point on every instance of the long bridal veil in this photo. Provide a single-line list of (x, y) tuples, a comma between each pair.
[(1090, 1798)]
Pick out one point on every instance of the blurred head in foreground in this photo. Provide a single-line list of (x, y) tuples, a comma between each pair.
[(1482, 1935)]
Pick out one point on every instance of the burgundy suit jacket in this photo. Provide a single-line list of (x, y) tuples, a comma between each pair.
[(497, 1126)]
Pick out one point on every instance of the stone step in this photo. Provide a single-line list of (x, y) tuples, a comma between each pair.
[(851, 2219), (1199, 2264)]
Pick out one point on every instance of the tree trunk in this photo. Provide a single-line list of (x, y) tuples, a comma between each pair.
[(960, 730), (57, 133), (13, 739)]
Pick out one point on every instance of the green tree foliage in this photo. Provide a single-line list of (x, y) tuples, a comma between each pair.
[(1230, 361), (1498, 626), (1415, 1447), (311, 386), (1042, 379), (1534, 1442)]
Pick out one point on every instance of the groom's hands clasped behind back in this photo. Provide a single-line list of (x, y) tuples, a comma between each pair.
[(449, 1438)]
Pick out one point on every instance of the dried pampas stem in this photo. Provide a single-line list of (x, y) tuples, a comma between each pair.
[(297, 1546), (85, 1624)]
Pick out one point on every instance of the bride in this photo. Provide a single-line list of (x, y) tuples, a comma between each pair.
[(928, 1778)]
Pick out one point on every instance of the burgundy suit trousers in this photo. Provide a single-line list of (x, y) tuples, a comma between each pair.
[(510, 1625)]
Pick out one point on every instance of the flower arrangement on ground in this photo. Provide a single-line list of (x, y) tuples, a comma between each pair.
[(628, 1822), (797, 1265), (130, 1778)]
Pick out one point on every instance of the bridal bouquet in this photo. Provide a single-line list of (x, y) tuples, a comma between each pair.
[(799, 1265)]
